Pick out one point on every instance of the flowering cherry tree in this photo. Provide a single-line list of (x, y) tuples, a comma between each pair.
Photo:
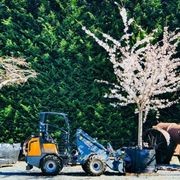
[(14, 71), (144, 71)]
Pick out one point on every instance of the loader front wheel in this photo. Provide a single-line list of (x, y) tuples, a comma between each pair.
[(51, 165), (95, 166)]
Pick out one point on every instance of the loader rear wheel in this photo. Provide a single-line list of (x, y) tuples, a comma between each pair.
[(51, 165), (95, 166)]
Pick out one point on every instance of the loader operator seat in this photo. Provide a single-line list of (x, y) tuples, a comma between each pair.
[(48, 139)]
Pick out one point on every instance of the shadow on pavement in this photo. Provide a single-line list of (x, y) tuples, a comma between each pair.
[(20, 174), (80, 174), (84, 174)]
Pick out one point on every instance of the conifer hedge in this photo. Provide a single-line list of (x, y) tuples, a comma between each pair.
[(48, 34)]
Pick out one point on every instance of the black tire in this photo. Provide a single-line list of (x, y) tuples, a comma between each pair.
[(95, 166), (84, 167), (51, 165)]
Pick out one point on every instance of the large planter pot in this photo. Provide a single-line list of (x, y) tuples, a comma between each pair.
[(140, 160), (9, 153)]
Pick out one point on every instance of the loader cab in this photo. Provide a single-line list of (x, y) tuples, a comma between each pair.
[(54, 128)]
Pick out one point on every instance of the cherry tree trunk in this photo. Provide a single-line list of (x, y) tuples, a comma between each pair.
[(140, 129)]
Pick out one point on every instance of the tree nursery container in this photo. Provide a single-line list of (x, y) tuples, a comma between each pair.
[(140, 160)]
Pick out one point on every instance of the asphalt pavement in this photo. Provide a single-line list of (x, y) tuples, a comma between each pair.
[(18, 172)]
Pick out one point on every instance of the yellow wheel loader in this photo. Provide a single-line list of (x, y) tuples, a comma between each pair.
[(43, 152)]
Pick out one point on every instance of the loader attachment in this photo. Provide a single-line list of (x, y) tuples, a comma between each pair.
[(94, 157)]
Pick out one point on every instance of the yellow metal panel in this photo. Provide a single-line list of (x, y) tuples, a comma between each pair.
[(34, 148), (50, 148)]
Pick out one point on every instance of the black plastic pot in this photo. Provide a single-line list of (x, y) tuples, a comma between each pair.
[(140, 160)]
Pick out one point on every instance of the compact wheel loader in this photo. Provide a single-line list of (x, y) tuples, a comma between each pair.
[(44, 152)]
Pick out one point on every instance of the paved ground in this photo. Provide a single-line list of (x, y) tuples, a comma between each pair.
[(18, 172)]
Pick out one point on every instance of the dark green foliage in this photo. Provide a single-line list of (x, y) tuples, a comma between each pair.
[(48, 34)]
